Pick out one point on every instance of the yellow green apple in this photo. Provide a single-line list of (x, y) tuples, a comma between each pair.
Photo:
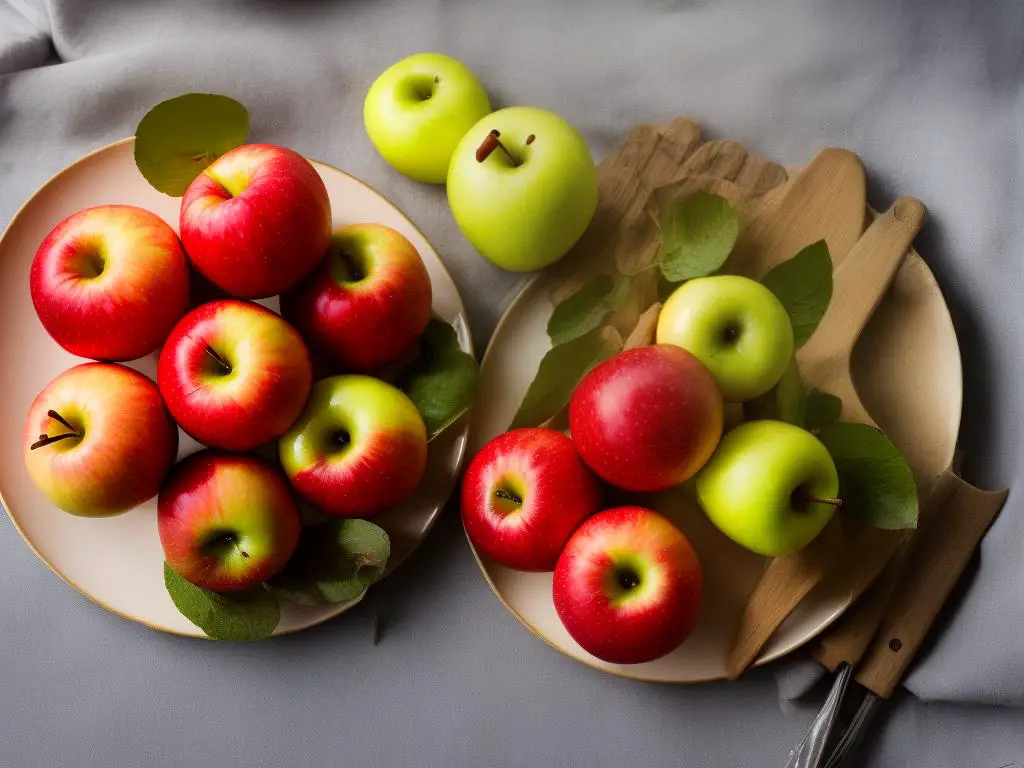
[(522, 187), (736, 327), (770, 487), (417, 111)]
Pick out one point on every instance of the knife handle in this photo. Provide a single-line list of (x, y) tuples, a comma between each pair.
[(846, 641), (935, 564)]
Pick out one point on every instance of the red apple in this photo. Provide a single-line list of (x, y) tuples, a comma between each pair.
[(523, 496), (98, 440), (227, 521), (368, 300), (648, 418), (627, 587), (234, 374), (256, 221), (359, 447), (109, 282)]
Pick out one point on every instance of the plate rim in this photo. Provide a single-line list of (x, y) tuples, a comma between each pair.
[(623, 671), (459, 461)]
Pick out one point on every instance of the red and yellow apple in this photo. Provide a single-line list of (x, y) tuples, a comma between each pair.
[(227, 521), (359, 447), (523, 496), (628, 585), (648, 418), (256, 221), (234, 374), (110, 282), (368, 300), (98, 440)]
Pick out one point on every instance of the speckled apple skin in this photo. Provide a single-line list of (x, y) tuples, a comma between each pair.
[(648, 418), (557, 490), (643, 623)]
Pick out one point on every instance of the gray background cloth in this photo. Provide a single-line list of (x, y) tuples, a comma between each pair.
[(927, 91)]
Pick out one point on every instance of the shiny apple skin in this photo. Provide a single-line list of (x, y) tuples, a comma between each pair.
[(379, 461), (109, 282), (256, 221), (648, 418), (541, 468), (650, 618), (128, 440), (367, 302), (265, 390), (227, 522)]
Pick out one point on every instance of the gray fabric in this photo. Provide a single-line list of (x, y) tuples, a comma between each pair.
[(929, 93)]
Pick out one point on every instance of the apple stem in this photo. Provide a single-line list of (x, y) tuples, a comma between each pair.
[(491, 142), (45, 439), (57, 417), (820, 500), (218, 359), (501, 493), (48, 439)]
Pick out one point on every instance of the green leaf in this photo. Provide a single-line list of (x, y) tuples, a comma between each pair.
[(588, 308), (697, 236), (875, 482), (180, 137), (560, 371), (786, 401), (442, 381), (249, 615), (821, 410), (804, 286), (336, 561)]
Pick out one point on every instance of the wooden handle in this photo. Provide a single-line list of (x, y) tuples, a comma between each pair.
[(863, 278), (825, 200), (875, 551), (869, 550), (785, 582), (933, 568)]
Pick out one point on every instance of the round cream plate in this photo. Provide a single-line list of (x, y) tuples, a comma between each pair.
[(117, 562), (907, 371)]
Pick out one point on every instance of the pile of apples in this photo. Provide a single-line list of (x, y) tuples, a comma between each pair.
[(113, 284), (627, 582)]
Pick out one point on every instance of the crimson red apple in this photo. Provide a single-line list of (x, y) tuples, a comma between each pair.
[(368, 300), (523, 496), (256, 221), (359, 447), (627, 587), (648, 418), (234, 374), (98, 440), (110, 282), (227, 521)]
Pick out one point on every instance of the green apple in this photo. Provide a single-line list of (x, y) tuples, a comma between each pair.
[(522, 187), (770, 487), (417, 111), (736, 327)]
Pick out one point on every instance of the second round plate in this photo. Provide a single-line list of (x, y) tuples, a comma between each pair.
[(907, 370), (117, 562)]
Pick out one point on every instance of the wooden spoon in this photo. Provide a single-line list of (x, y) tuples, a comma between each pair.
[(859, 284), (825, 201)]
